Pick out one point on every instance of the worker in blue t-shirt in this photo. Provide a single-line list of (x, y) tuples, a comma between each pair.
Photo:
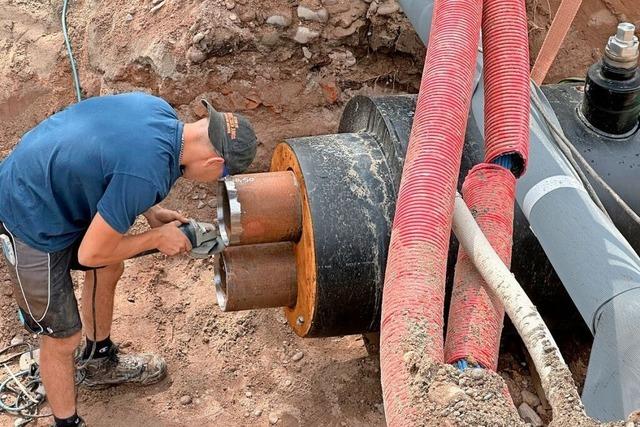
[(70, 191)]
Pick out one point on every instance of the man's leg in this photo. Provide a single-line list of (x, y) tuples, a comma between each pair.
[(43, 290), (57, 369), (107, 279), (106, 366)]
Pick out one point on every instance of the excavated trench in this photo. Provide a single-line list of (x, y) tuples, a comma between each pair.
[(239, 368)]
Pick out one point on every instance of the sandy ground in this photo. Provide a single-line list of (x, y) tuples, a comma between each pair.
[(237, 368)]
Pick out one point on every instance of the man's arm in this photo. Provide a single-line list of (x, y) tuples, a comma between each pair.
[(102, 245), (157, 216)]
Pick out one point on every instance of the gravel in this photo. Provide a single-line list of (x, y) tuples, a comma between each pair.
[(279, 21), (320, 15), (529, 415), (304, 35), (530, 398)]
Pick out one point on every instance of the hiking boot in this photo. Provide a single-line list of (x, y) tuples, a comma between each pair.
[(81, 424), (140, 369)]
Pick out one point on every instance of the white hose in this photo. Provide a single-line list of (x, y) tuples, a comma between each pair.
[(554, 373)]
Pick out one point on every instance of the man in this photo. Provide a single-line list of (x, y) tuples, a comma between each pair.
[(70, 191)]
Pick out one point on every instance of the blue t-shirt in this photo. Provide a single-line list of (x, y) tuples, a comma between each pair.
[(117, 155)]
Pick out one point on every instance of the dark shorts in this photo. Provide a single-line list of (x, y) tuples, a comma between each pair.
[(42, 286)]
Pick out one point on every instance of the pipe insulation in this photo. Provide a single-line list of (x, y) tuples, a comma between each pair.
[(475, 315), (413, 295)]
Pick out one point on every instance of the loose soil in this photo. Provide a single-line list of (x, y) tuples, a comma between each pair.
[(237, 368)]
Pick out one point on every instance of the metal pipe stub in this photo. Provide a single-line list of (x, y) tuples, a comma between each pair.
[(256, 276), (259, 208)]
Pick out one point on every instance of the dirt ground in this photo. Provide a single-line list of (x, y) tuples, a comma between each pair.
[(237, 368)]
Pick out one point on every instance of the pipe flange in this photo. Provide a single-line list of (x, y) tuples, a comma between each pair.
[(229, 211)]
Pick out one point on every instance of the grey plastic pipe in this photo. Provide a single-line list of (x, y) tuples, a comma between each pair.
[(596, 264)]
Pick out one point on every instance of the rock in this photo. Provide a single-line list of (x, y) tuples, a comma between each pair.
[(306, 52), (197, 38), (443, 394), (201, 204), (530, 398), (131, 299), (288, 383), (388, 8), (380, 407), (297, 357), (273, 418), (195, 55), (541, 411), (529, 415), (212, 203), (17, 340), (279, 20), (331, 91), (233, 17), (7, 292), (304, 35), (248, 394), (270, 39), (129, 17), (476, 373), (257, 412), (341, 33), (320, 15), (487, 396), (186, 400), (230, 4)]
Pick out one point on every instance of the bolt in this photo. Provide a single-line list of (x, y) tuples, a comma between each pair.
[(626, 32), (300, 320), (622, 48)]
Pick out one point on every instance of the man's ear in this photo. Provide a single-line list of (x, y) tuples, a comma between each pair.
[(211, 161)]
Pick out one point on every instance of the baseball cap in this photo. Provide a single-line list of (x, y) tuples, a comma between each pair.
[(233, 137)]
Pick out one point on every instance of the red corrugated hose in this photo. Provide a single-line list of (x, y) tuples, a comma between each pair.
[(412, 308), (475, 316)]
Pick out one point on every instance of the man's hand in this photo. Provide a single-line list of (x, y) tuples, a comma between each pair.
[(158, 216), (102, 245), (171, 240)]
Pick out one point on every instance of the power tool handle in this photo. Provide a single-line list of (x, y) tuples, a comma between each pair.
[(188, 231)]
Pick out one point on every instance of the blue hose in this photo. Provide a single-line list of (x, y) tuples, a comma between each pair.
[(74, 69)]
